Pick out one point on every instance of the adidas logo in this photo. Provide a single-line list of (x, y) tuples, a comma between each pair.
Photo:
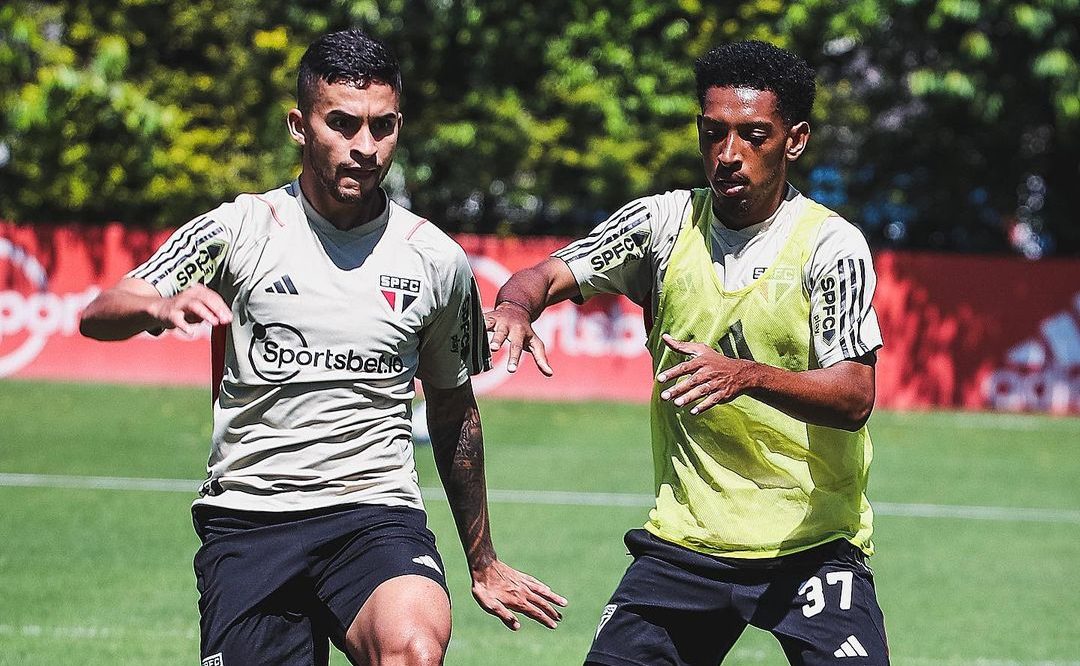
[(1039, 373), (427, 561), (850, 648), (609, 610), (284, 285)]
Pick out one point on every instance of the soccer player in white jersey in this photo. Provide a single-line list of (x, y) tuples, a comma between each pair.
[(332, 298), (758, 307)]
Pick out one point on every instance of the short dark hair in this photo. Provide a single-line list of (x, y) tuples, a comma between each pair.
[(760, 66), (348, 56)]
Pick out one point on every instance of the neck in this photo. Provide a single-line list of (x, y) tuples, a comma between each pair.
[(735, 217), (343, 216)]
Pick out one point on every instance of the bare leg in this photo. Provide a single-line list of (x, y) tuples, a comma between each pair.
[(405, 622)]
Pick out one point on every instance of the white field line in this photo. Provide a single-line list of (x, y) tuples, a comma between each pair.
[(742, 655), (91, 632), (996, 421), (558, 497)]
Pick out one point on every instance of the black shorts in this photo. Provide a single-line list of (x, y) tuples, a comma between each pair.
[(276, 587), (679, 607)]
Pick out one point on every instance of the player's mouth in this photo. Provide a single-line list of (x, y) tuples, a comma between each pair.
[(360, 174), (730, 187)]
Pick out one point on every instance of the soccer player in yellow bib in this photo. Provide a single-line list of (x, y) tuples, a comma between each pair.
[(763, 338)]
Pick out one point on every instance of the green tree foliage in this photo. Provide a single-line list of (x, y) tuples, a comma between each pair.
[(939, 121), (960, 116)]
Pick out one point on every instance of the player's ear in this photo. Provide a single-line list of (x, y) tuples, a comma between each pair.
[(795, 143), (295, 121)]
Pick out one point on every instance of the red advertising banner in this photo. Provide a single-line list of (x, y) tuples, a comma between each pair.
[(960, 332)]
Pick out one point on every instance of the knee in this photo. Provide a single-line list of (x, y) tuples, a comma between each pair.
[(401, 647)]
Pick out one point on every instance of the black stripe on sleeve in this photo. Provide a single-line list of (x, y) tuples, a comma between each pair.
[(179, 249), (842, 308), (852, 317), (479, 352), (857, 321), (619, 224)]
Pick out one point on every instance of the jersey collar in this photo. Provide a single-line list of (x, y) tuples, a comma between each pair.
[(324, 225)]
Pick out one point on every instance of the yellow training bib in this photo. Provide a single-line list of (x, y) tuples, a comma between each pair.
[(744, 479)]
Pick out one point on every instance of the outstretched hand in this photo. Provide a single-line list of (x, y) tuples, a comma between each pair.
[(194, 305), (711, 377), (501, 590), (510, 322)]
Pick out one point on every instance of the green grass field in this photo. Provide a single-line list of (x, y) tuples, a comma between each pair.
[(978, 529)]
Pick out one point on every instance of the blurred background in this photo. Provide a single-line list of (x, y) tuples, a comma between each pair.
[(948, 124), (947, 130)]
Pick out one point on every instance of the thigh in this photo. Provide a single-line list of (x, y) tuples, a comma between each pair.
[(406, 620), (254, 607), (663, 614), (827, 613)]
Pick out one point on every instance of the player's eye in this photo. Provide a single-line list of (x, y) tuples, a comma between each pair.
[(341, 124), (755, 136), (714, 134), (383, 127)]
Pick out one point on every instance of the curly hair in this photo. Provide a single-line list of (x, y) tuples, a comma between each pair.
[(347, 56), (760, 66)]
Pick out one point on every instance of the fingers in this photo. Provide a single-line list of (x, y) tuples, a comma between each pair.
[(498, 333), (197, 311), (690, 391), (514, 356), (675, 371), (539, 352), (193, 306), (691, 348), (209, 305), (178, 319), (543, 601), (511, 591), (503, 613), (521, 337), (532, 606), (708, 403)]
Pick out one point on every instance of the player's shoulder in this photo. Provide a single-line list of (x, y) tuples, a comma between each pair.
[(662, 214), (255, 212), (671, 203), (835, 228), (279, 205), (423, 236)]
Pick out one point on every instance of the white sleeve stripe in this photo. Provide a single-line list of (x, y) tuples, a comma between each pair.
[(175, 252), (604, 233)]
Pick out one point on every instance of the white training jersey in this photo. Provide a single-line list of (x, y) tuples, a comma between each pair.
[(628, 254), (329, 330)]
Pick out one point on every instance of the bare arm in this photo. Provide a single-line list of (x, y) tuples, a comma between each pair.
[(840, 396), (458, 445), (134, 306), (520, 302)]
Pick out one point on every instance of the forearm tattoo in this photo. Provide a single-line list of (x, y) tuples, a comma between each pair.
[(458, 444)]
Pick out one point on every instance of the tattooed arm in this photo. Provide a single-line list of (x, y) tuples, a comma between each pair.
[(458, 444)]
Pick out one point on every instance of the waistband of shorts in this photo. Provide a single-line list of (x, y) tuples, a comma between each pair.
[(642, 542), (206, 512)]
